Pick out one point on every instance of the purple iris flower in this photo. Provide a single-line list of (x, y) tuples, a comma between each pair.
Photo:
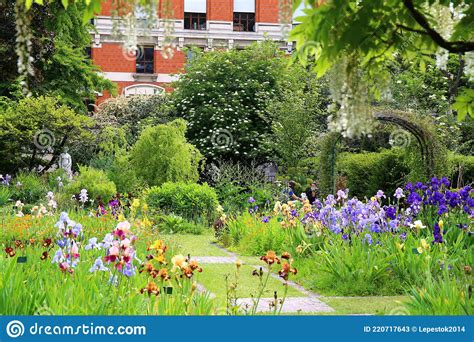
[(128, 270), (98, 266), (403, 236), (107, 242), (251, 200), (394, 224), (5, 180), (345, 237), (390, 212), (266, 219), (61, 243), (444, 181), (92, 244), (368, 239), (414, 197), (76, 230), (442, 209), (57, 256), (399, 193), (438, 236), (375, 228)]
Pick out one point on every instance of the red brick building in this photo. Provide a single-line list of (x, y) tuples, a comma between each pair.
[(207, 24)]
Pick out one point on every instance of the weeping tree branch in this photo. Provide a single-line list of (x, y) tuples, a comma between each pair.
[(454, 47)]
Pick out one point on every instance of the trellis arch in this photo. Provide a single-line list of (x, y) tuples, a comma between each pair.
[(424, 136)]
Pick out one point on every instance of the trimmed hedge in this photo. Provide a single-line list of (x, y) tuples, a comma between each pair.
[(365, 173), (461, 169), (189, 200), (368, 172)]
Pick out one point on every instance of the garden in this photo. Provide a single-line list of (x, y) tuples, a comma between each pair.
[(322, 182)]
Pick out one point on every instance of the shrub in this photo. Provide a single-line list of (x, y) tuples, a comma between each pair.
[(176, 224), (132, 114), (461, 169), (368, 172), (190, 201), (162, 154), (31, 127), (122, 173), (28, 187), (95, 181), (54, 183), (225, 96)]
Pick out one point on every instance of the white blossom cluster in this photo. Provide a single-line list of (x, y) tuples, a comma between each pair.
[(23, 46), (445, 19), (220, 121), (349, 90), (469, 66)]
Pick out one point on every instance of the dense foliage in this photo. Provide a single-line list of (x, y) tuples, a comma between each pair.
[(224, 96), (60, 66), (95, 181), (162, 154), (132, 114), (34, 131), (192, 201), (408, 29)]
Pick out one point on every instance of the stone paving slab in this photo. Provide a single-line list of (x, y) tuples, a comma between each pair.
[(215, 260), (291, 304), (309, 304)]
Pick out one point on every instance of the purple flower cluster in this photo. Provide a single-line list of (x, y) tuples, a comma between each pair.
[(355, 216), (437, 194), (5, 180)]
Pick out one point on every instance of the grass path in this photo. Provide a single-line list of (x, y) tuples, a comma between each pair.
[(219, 264)]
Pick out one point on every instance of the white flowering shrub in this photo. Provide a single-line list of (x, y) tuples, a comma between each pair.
[(224, 96)]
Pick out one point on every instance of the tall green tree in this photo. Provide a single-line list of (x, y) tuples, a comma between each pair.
[(61, 67), (224, 95), (162, 154), (379, 31), (35, 130)]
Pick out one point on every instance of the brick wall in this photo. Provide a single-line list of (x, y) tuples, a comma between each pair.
[(220, 10), (177, 8), (267, 11), (106, 7), (111, 57), (169, 66)]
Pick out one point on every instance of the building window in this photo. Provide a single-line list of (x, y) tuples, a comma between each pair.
[(145, 60), (143, 89), (244, 22), (88, 51), (194, 21)]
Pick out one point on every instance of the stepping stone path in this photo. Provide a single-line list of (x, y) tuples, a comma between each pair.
[(308, 304), (291, 304), (215, 260)]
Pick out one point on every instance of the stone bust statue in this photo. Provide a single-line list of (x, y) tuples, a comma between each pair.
[(65, 162)]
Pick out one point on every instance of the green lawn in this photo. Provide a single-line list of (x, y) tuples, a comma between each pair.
[(196, 245), (213, 279)]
